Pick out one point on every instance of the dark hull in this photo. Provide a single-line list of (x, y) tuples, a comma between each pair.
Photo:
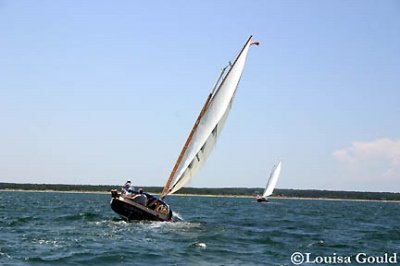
[(129, 210), (261, 199)]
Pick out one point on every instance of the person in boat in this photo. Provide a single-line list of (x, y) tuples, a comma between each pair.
[(127, 188), (132, 190), (140, 197)]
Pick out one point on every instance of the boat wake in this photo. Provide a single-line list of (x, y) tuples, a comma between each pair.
[(176, 217)]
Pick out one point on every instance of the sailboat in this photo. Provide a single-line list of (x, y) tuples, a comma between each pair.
[(195, 151), (273, 179)]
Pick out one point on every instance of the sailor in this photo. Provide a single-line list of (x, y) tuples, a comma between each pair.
[(131, 189), (138, 196), (141, 197), (126, 186)]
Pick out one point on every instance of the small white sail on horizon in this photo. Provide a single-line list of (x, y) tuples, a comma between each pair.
[(273, 179), (208, 125)]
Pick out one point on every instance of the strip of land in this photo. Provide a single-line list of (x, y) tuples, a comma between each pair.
[(222, 192)]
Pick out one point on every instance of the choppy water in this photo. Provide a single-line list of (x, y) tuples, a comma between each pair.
[(81, 229)]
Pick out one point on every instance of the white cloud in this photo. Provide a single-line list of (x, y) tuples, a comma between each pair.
[(378, 159)]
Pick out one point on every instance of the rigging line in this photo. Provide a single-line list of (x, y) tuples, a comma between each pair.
[(234, 62)]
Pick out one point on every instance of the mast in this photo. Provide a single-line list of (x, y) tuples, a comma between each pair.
[(209, 103), (185, 146)]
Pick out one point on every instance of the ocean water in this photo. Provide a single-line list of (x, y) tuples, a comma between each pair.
[(81, 229)]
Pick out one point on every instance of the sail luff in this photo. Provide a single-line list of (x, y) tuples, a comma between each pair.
[(206, 130), (206, 149), (184, 148)]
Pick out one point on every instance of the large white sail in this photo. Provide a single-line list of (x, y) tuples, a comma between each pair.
[(209, 124), (273, 179)]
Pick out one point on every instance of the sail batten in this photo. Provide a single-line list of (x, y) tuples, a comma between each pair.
[(208, 126)]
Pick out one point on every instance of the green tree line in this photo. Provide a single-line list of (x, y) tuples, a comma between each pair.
[(290, 193)]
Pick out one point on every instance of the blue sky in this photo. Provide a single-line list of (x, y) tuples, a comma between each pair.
[(95, 92)]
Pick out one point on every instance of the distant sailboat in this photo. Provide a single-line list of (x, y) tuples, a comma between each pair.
[(196, 149), (273, 179)]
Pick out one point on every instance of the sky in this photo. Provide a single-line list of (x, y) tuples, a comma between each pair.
[(98, 92)]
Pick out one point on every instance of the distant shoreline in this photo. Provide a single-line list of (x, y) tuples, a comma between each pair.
[(205, 195), (238, 192)]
